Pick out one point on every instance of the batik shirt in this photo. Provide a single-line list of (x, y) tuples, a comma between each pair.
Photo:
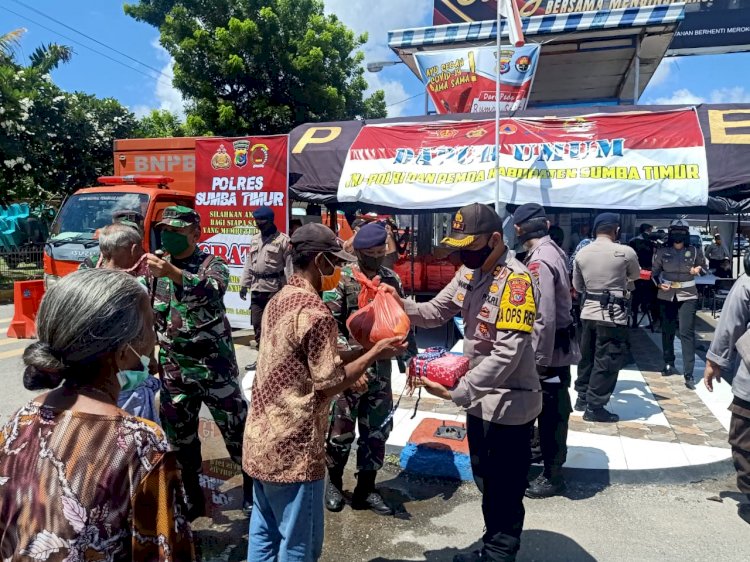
[(286, 429), (77, 487), (191, 323)]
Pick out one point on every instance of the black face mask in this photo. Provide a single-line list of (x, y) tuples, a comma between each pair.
[(267, 228), (474, 259), (370, 263)]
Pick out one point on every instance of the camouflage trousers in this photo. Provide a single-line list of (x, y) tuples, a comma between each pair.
[(181, 400), (368, 411)]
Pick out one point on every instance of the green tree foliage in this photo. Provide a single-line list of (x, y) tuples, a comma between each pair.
[(261, 66), (162, 123), (51, 142)]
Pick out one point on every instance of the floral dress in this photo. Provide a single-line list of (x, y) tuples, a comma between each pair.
[(77, 487)]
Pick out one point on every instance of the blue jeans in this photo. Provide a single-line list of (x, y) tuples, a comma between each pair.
[(287, 522)]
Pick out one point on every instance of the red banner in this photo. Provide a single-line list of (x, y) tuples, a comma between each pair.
[(233, 177)]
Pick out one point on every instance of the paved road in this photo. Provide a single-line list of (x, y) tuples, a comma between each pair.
[(437, 519)]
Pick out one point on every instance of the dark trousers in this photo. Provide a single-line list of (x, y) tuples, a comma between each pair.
[(739, 439), (644, 299), (603, 351), (553, 421), (680, 314), (500, 459), (258, 302)]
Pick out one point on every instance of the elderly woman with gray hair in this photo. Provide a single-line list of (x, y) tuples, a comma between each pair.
[(80, 479)]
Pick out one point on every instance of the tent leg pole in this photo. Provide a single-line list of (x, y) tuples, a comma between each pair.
[(411, 237), (637, 71)]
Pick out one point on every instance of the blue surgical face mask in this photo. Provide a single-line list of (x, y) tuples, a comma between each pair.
[(132, 378)]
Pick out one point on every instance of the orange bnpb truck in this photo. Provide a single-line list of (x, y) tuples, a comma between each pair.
[(150, 175)]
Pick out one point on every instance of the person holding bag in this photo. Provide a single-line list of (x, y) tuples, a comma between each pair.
[(368, 410)]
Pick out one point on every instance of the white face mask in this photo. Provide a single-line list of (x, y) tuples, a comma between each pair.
[(131, 378)]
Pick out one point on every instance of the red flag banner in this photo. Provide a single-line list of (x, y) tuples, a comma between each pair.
[(638, 160), (233, 177)]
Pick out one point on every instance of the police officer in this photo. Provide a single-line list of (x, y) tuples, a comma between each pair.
[(644, 294), (674, 271), (555, 345), (266, 265), (369, 410), (717, 252), (497, 297), (730, 341), (197, 363), (603, 272)]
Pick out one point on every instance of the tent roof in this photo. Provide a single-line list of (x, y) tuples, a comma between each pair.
[(585, 56)]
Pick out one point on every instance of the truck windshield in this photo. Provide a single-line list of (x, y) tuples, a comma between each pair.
[(83, 214)]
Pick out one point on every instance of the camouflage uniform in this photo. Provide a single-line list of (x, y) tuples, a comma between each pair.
[(197, 359), (370, 408)]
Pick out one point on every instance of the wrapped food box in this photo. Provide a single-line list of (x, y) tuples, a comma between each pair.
[(439, 365)]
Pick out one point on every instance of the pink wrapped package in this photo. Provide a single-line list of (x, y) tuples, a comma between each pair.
[(439, 365)]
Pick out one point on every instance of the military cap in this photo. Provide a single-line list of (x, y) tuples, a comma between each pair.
[(179, 217), (370, 235), (263, 214), (469, 222), (527, 212), (606, 219)]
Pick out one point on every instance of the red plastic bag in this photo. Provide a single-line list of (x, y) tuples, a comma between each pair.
[(379, 316), (390, 318)]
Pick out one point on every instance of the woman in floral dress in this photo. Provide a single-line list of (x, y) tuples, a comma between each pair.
[(80, 479)]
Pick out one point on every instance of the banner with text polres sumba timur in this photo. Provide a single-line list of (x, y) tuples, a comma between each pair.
[(233, 177)]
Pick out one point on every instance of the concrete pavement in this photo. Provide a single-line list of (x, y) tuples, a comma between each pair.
[(693, 519)]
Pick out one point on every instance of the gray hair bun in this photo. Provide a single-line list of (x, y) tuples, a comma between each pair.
[(43, 368)]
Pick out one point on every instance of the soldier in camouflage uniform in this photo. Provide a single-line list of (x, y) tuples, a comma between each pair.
[(369, 409), (196, 357)]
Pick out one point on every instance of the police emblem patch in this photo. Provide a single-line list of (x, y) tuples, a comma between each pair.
[(518, 288), (458, 222)]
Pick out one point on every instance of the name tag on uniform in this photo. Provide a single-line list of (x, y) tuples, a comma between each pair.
[(517, 305)]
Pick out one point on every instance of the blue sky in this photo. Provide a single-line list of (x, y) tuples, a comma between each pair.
[(715, 78)]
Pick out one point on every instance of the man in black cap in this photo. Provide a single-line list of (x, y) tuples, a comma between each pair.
[(496, 295), (369, 411), (266, 267), (644, 294), (300, 369), (555, 345), (603, 272)]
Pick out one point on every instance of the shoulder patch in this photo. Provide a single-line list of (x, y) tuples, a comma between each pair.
[(517, 305), (534, 268)]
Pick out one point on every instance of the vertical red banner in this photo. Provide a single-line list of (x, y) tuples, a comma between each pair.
[(233, 177)]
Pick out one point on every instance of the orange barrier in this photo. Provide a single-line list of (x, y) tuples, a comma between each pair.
[(26, 298)]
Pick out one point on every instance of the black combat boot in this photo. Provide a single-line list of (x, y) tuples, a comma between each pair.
[(550, 483), (334, 486), (580, 405), (366, 497), (600, 415), (690, 382), (194, 498), (669, 370), (247, 494), (473, 556)]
